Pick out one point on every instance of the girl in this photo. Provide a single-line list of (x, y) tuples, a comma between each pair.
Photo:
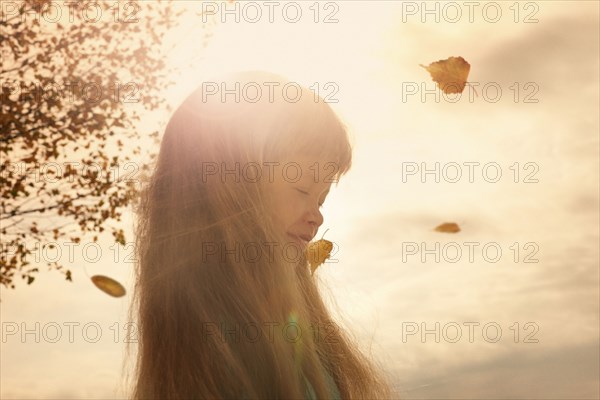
[(224, 299)]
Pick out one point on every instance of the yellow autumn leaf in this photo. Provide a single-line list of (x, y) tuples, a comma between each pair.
[(108, 285), (450, 74), (317, 252), (448, 227)]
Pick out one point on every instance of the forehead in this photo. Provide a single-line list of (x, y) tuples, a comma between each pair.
[(308, 169)]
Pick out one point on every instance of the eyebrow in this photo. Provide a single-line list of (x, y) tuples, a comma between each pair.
[(309, 179)]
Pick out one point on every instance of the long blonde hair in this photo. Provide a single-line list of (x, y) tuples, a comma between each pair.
[(222, 324)]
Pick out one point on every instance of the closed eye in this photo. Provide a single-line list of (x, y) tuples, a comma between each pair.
[(306, 193)]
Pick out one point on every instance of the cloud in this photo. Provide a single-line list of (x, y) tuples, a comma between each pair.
[(560, 53), (529, 372)]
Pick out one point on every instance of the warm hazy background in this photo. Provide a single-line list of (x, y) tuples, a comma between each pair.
[(369, 53)]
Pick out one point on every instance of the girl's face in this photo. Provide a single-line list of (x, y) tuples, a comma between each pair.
[(300, 188)]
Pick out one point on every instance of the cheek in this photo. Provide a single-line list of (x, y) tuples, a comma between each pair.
[(287, 210)]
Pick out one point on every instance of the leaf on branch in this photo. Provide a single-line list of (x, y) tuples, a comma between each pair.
[(119, 236)]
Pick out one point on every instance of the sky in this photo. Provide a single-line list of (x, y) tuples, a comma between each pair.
[(535, 287)]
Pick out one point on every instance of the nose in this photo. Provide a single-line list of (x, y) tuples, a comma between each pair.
[(314, 218)]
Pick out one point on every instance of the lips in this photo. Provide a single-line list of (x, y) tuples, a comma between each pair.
[(308, 238), (301, 238)]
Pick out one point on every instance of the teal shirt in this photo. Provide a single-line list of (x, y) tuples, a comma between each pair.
[(310, 391), (333, 389)]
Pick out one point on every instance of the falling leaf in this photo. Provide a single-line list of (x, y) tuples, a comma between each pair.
[(450, 74), (318, 252), (108, 285), (448, 227)]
